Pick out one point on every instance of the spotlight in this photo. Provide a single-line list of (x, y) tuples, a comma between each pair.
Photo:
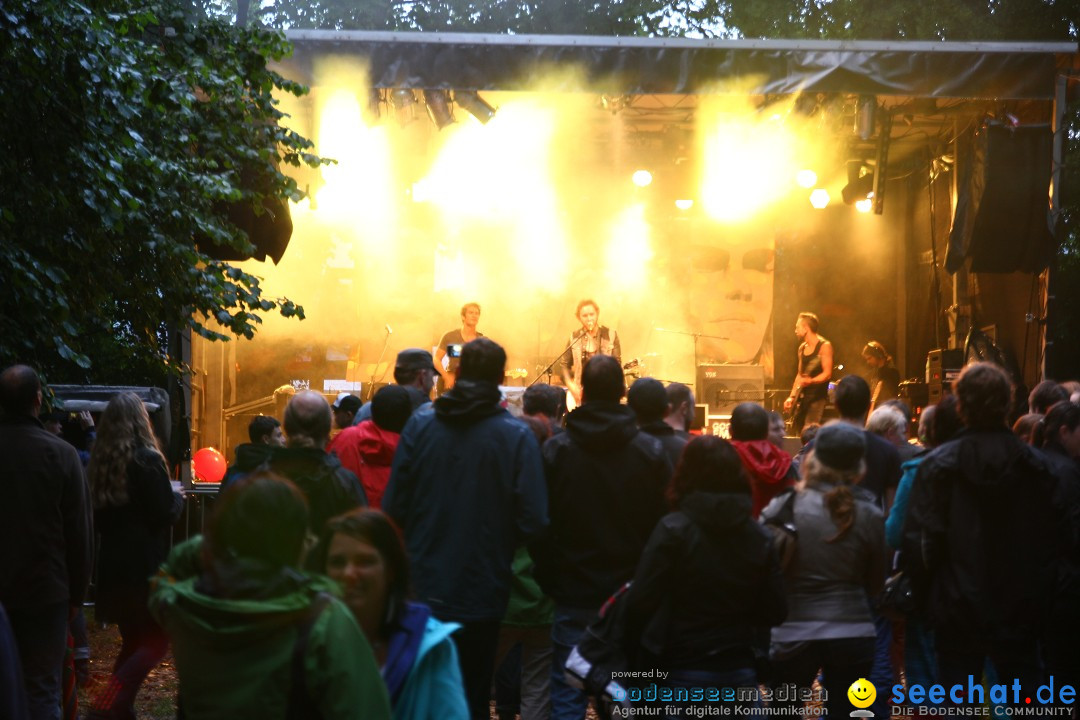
[(477, 106), (860, 182), (865, 205), (404, 102), (684, 204), (614, 103), (819, 198), (865, 116), (438, 107), (642, 178), (806, 178)]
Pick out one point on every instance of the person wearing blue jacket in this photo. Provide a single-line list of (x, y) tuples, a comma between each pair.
[(467, 488), (363, 552)]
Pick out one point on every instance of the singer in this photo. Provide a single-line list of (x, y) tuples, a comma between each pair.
[(591, 339), (450, 345)]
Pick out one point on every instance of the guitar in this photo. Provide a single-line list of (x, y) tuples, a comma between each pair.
[(796, 405), (571, 401)]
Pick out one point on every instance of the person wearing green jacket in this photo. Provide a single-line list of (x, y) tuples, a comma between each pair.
[(253, 636)]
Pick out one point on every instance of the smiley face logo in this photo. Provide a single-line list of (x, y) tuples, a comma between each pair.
[(862, 693)]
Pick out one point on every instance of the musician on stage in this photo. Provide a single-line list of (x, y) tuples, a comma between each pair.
[(590, 339), (451, 343), (884, 381), (810, 391)]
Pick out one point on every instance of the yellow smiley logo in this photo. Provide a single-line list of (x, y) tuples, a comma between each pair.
[(862, 693)]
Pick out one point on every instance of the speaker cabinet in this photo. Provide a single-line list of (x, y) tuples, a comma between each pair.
[(722, 387)]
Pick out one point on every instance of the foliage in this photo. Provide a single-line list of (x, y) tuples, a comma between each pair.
[(128, 125)]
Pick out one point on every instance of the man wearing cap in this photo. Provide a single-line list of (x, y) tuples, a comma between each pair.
[(649, 401), (414, 370), (367, 449), (345, 408), (467, 488)]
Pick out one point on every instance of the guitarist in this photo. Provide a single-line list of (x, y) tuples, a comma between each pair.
[(591, 339), (884, 380), (810, 391)]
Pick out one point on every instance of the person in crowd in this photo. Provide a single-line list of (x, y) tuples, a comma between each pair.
[(768, 468), (134, 508), (937, 425), (252, 635), (12, 689), (884, 380), (1059, 437), (889, 423), (527, 627), (1044, 395), (837, 567), (1024, 427), (345, 407), (329, 488), (709, 579), (264, 432), (362, 551), (1073, 388), (467, 483), (45, 538), (806, 437), (648, 399), (981, 539), (680, 415), (367, 450), (414, 370), (605, 483), (547, 403), (449, 350), (777, 429)]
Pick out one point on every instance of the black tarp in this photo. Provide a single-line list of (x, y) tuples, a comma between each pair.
[(678, 66)]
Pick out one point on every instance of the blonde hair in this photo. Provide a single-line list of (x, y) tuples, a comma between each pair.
[(839, 501), (123, 431)]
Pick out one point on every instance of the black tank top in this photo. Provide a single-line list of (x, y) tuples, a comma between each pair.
[(811, 365)]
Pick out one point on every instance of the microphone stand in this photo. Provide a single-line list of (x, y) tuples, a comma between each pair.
[(375, 369), (547, 370)]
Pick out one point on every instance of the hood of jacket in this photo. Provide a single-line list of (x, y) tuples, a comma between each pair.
[(263, 602), (602, 425), (250, 456), (764, 461), (469, 401), (717, 513), (375, 445)]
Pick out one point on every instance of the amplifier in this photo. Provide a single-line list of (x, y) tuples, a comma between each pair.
[(722, 387)]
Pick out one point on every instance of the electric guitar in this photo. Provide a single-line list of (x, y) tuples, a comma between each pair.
[(796, 405)]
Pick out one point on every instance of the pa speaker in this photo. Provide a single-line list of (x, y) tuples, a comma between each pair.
[(722, 387)]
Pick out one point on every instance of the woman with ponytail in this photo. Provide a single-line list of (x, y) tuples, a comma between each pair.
[(134, 507), (837, 567)]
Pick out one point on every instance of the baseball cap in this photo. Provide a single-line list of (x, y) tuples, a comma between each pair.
[(414, 359), (347, 402), (840, 446)]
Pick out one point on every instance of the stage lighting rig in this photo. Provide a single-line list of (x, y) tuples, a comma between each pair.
[(404, 102), (439, 108), (476, 106)]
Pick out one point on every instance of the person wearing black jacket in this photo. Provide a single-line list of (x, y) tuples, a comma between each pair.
[(983, 541), (46, 540), (467, 488), (605, 495), (711, 572)]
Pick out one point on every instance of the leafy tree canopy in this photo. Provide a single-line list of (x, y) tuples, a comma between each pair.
[(129, 128)]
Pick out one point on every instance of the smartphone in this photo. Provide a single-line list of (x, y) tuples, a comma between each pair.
[(453, 350)]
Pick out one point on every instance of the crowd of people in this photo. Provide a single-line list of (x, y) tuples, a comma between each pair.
[(430, 558)]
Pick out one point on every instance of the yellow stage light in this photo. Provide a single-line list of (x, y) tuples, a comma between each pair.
[(806, 178), (642, 178), (684, 204), (819, 198), (865, 205)]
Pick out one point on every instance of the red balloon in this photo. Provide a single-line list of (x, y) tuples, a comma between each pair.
[(209, 465)]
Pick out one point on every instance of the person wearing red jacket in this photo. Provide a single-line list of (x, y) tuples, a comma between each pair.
[(368, 449), (768, 467)]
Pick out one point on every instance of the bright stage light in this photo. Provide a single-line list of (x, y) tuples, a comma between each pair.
[(642, 178), (630, 248), (439, 108), (684, 204), (865, 205), (806, 178), (819, 198), (404, 102)]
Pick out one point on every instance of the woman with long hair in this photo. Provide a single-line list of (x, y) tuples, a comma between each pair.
[(708, 584), (134, 507), (364, 553), (837, 566)]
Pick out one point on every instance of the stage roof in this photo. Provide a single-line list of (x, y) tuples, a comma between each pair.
[(630, 65)]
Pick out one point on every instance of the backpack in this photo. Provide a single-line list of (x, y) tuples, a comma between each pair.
[(602, 651)]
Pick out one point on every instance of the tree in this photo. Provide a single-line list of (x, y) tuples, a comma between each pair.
[(130, 126)]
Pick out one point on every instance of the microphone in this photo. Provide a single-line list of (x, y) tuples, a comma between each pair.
[(389, 331)]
